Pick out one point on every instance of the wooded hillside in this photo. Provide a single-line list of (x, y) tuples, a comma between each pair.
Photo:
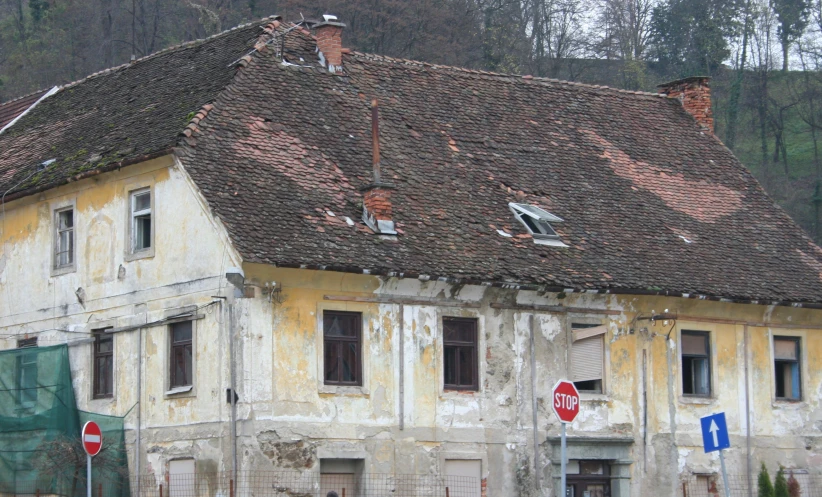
[(765, 55)]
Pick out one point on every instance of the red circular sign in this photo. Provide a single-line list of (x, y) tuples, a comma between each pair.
[(92, 438), (565, 400)]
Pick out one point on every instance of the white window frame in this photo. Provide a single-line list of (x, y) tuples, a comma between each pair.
[(542, 220), (588, 332), (184, 390), (131, 252), (57, 270)]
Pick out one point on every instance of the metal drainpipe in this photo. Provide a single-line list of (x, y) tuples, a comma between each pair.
[(139, 404), (534, 415), (745, 340), (232, 386), (402, 367)]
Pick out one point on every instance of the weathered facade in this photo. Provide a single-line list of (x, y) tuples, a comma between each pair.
[(689, 281)]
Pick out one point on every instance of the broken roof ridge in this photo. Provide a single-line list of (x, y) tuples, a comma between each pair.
[(164, 51), (512, 77)]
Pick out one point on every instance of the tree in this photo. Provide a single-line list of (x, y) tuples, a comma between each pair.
[(793, 487), (64, 460), (793, 16), (764, 483), (780, 487), (690, 37)]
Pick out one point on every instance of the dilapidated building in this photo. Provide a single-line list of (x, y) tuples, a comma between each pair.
[(272, 253)]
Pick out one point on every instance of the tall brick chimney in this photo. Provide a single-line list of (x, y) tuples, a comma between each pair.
[(695, 95), (329, 43), (376, 205)]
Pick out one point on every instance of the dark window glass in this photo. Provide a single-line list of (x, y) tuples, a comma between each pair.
[(64, 255), (103, 364), (27, 379), (696, 363), (181, 355), (342, 344), (786, 368), (459, 340)]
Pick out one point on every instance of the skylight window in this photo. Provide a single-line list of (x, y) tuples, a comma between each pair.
[(538, 223)]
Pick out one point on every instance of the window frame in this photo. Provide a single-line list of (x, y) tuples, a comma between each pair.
[(475, 344), (706, 334), (339, 341), (100, 335), (131, 253), (24, 343), (537, 222), (57, 209), (172, 345), (575, 325), (798, 361)]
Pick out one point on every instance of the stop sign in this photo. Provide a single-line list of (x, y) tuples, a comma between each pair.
[(565, 401), (92, 438)]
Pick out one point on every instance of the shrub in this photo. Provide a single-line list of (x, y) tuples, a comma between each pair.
[(764, 483), (793, 487), (780, 486)]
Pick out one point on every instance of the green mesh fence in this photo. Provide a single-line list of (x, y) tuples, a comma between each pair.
[(40, 448)]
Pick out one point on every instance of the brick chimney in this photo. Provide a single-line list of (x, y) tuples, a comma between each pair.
[(376, 205), (695, 95), (329, 43)]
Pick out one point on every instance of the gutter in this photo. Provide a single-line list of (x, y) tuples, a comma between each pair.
[(11, 123)]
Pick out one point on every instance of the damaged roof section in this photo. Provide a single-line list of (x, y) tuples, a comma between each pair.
[(628, 172)]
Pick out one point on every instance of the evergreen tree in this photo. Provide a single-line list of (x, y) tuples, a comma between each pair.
[(764, 483), (780, 488)]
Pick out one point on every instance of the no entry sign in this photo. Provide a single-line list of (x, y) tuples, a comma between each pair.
[(92, 438), (565, 401)]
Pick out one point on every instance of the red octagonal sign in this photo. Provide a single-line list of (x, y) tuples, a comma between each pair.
[(565, 401), (92, 438)]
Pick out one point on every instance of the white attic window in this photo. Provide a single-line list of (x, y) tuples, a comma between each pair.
[(537, 222)]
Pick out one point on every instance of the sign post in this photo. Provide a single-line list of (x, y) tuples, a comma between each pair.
[(566, 406), (92, 438), (715, 437)]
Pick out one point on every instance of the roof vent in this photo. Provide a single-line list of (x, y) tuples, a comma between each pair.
[(538, 223)]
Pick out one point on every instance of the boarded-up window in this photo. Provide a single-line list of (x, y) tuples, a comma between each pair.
[(340, 476), (786, 368), (463, 477), (588, 357), (181, 478)]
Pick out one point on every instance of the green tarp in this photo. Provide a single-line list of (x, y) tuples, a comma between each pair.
[(40, 427)]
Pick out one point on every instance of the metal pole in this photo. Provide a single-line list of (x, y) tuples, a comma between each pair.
[(562, 454), (724, 473), (88, 475), (534, 412)]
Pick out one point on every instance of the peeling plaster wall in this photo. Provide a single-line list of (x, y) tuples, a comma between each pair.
[(288, 419), (109, 290)]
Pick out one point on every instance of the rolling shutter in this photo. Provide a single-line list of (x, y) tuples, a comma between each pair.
[(587, 354)]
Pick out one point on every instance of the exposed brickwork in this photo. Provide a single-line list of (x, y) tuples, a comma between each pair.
[(695, 95), (485, 487), (377, 200), (329, 42)]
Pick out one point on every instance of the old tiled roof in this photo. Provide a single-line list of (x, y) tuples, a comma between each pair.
[(120, 115), (651, 203), (13, 108)]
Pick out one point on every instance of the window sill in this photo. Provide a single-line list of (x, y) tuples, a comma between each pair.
[(102, 400), (59, 271), (700, 401), (179, 390), (788, 404), (143, 254), (594, 397), (344, 390), (453, 393)]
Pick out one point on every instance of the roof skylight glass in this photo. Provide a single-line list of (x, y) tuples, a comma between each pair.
[(537, 222)]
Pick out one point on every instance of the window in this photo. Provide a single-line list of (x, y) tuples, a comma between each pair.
[(459, 345), (182, 364), (64, 238), (342, 346), (537, 222), (696, 363), (103, 367), (26, 369), (588, 357), (141, 235), (786, 366)]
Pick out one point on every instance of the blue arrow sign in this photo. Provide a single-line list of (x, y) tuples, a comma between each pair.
[(715, 432)]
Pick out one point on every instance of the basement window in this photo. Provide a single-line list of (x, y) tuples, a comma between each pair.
[(538, 223)]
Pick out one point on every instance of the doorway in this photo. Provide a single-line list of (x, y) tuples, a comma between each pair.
[(593, 480)]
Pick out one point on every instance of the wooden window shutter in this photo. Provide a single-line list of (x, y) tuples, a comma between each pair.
[(587, 359)]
